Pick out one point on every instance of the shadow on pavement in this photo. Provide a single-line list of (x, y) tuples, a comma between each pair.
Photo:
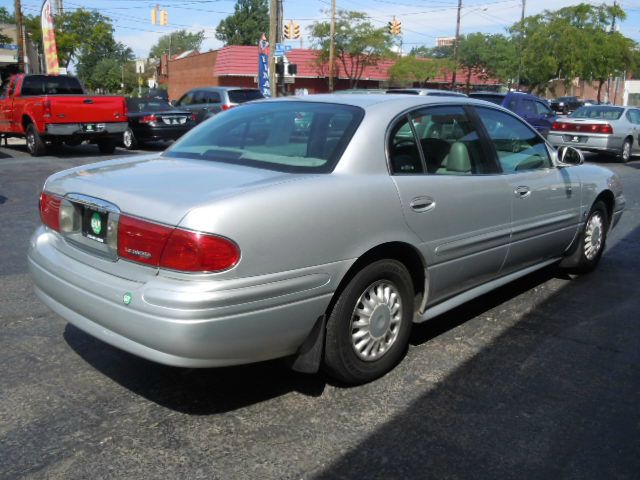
[(85, 150), (193, 391), (556, 395)]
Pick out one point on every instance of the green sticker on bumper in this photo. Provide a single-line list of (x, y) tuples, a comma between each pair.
[(126, 298)]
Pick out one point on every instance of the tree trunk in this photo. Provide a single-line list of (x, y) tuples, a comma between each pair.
[(468, 80), (600, 83)]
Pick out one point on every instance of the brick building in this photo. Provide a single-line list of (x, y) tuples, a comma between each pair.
[(238, 66)]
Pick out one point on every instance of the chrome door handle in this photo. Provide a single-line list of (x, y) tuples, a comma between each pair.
[(422, 204), (522, 191)]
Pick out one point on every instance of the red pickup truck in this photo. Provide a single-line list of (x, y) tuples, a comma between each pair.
[(55, 109)]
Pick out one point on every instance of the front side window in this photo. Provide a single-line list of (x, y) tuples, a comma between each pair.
[(186, 100), (529, 108), (297, 137), (543, 109), (449, 141), (519, 147)]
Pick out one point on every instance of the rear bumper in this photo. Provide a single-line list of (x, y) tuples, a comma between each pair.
[(589, 143), (169, 132), (203, 323), (79, 129)]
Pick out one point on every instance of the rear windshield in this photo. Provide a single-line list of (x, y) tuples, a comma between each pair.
[(51, 85), (566, 99), (497, 99), (241, 96), (288, 136), (409, 92), (147, 105), (603, 113)]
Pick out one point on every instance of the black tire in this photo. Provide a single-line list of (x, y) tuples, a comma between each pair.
[(129, 140), (625, 152), (106, 145), (35, 146), (340, 358), (581, 258)]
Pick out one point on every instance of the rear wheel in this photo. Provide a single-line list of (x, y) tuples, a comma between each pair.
[(129, 140), (591, 242), (35, 145), (368, 328), (625, 153), (107, 145)]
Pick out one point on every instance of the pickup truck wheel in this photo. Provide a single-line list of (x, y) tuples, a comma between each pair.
[(106, 146), (368, 328), (129, 140), (35, 145)]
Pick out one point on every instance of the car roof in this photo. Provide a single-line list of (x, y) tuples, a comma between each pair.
[(217, 89), (426, 91), (395, 102)]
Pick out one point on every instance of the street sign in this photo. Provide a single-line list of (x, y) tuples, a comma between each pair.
[(280, 49), (287, 48), (139, 66)]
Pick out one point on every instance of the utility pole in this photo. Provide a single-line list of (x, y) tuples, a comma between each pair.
[(455, 47), (524, 3), (273, 26), (332, 42), (59, 8), (20, 35)]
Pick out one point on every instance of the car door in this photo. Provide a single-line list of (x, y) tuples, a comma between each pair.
[(452, 197), (530, 114), (545, 118), (545, 199)]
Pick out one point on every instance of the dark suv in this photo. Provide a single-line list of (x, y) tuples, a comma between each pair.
[(204, 102), (533, 109), (566, 104)]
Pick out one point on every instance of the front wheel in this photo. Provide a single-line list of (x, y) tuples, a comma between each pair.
[(591, 242), (368, 328), (106, 146)]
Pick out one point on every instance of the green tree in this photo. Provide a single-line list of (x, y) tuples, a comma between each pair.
[(432, 52), (249, 20), (411, 69), (7, 18), (176, 43), (611, 55), (358, 44)]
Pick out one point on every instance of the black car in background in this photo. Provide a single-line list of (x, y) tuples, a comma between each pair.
[(566, 104), (152, 119)]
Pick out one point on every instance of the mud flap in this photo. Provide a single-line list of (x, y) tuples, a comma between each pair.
[(309, 355)]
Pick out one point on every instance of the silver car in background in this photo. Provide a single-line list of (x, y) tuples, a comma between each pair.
[(258, 235), (600, 128)]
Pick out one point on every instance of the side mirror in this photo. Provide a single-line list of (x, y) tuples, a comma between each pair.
[(569, 156)]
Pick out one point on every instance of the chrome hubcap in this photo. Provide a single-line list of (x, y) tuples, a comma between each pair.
[(376, 319), (127, 139), (31, 142), (593, 236), (626, 151)]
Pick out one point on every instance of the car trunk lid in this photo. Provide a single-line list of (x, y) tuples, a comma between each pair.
[(86, 109)]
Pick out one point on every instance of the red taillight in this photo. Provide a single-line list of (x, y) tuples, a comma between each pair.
[(149, 119), (141, 241), (582, 127), (47, 109), (172, 248), (226, 107), (194, 117), (50, 210), (198, 252)]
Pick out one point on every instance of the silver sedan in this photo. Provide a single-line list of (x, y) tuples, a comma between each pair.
[(318, 229), (600, 128)]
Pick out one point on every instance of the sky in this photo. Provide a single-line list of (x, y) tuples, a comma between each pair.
[(422, 21)]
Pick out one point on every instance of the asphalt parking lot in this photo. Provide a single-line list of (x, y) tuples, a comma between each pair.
[(539, 379)]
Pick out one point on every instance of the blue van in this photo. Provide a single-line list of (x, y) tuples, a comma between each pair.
[(533, 109)]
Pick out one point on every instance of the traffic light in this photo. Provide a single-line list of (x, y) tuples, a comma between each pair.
[(154, 15), (164, 17), (395, 27), (291, 30)]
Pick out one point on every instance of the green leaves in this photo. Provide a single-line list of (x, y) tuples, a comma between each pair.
[(357, 43), (177, 42), (249, 20), (411, 69)]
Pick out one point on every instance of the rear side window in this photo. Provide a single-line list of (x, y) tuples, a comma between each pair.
[(297, 137), (211, 97), (519, 148), (242, 96), (51, 85)]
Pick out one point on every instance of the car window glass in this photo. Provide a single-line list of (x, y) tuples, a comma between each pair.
[(519, 148), (528, 108), (242, 96), (211, 97), (290, 136), (32, 85), (186, 99), (404, 156), (633, 116), (199, 97), (542, 109), (450, 142)]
